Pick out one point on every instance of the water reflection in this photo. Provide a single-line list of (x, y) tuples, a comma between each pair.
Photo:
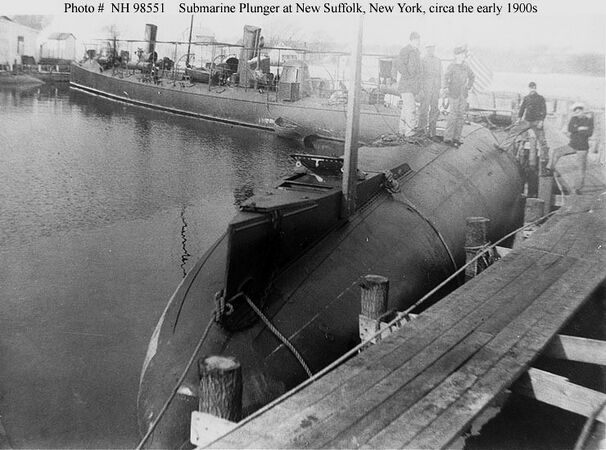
[(185, 255), (104, 208), (78, 161)]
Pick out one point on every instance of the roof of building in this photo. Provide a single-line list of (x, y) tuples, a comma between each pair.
[(60, 36), (16, 22)]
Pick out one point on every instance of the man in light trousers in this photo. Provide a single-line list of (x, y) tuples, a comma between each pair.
[(458, 80), (430, 91), (409, 66)]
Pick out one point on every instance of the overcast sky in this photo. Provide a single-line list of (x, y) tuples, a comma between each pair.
[(578, 26)]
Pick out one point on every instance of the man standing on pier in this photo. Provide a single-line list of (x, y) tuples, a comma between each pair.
[(458, 80), (409, 66), (530, 117), (580, 129), (430, 95)]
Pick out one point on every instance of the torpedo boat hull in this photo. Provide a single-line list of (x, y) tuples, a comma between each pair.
[(230, 104)]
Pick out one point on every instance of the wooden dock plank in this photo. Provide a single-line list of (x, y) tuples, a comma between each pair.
[(386, 382), (387, 397), (556, 306), (558, 391), (484, 320), (574, 348), (417, 418)]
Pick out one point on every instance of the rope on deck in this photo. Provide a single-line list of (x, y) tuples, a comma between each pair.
[(279, 335)]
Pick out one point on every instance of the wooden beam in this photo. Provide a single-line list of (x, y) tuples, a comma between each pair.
[(558, 391), (575, 348), (206, 428)]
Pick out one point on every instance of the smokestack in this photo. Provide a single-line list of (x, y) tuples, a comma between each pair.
[(150, 37)]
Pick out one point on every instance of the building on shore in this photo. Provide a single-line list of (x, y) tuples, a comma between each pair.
[(16, 41), (59, 46)]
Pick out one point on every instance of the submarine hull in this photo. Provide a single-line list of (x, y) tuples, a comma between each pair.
[(307, 283)]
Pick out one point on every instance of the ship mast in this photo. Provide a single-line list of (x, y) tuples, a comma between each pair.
[(191, 26), (350, 161)]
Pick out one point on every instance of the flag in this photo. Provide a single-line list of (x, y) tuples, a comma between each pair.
[(483, 75)]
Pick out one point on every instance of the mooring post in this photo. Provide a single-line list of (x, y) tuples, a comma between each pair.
[(221, 387), (476, 237), (374, 294), (534, 210), (546, 191), (373, 303)]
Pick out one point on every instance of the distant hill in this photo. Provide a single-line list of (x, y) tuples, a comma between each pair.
[(542, 60), (527, 60)]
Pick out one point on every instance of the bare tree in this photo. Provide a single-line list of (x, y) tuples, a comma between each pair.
[(281, 32)]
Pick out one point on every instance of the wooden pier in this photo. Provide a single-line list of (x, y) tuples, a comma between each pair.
[(425, 384)]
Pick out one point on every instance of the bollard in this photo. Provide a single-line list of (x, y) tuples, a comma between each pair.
[(534, 209), (375, 290), (476, 237), (221, 387), (546, 192), (373, 305)]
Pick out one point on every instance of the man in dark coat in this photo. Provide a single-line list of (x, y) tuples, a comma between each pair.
[(580, 129), (458, 81), (531, 115), (430, 95), (409, 66)]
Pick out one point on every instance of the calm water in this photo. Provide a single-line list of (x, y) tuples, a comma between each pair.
[(103, 209)]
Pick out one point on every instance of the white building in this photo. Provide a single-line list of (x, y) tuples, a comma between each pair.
[(59, 46), (16, 40)]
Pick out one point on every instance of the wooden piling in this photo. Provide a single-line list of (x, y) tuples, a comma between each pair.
[(546, 192), (375, 291), (476, 236), (221, 387), (534, 210), (373, 305)]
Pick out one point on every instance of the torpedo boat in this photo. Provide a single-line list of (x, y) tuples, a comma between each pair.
[(240, 89), (290, 259)]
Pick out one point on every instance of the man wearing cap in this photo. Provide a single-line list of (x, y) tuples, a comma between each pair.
[(409, 66), (458, 80), (580, 129), (531, 115), (430, 95)]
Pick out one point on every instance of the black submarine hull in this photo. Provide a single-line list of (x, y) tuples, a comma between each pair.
[(301, 263)]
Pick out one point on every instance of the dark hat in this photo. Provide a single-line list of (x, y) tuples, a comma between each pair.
[(532, 85), (414, 35)]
